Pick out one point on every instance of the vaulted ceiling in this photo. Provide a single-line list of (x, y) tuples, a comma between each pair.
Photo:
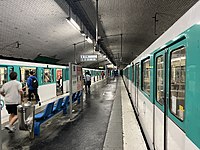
[(126, 28)]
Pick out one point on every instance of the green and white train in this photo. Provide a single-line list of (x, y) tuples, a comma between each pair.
[(53, 80), (164, 84)]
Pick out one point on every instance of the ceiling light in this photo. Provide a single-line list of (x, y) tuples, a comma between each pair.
[(89, 39), (82, 33), (73, 23)]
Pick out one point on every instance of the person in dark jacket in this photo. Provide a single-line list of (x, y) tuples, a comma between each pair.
[(33, 88)]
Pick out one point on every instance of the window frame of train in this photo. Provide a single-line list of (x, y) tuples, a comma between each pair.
[(133, 72), (51, 71), (137, 75), (9, 69), (30, 68), (172, 115), (158, 55), (59, 83), (143, 62)]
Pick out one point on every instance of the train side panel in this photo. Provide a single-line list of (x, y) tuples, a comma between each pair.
[(192, 102)]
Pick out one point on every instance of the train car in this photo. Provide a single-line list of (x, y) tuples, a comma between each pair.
[(53, 80), (96, 74), (164, 84)]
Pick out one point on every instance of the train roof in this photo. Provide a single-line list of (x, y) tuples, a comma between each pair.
[(190, 18)]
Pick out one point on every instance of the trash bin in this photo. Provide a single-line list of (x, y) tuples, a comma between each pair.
[(26, 113)]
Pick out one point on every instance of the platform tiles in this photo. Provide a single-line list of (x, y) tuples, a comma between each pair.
[(114, 137), (132, 136)]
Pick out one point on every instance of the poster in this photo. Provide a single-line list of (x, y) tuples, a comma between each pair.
[(77, 78)]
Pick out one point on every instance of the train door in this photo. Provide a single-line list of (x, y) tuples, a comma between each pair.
[(176, 96), (59, 81), (24, 74), (137, 83), (160, 100)]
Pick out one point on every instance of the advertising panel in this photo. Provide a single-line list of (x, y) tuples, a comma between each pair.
[(77, 78)]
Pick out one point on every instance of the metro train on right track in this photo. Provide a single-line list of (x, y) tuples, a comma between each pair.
[(164, 84)]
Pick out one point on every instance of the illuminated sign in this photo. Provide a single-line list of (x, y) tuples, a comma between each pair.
[(89, 57)]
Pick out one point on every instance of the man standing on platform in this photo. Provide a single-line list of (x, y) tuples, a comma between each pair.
[(12, 91), (87, 82), (32, 83)]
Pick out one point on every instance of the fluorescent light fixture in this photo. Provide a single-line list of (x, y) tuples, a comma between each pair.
[(73, 23), (82, 33), (100, 67), (89, 39), (108, 60)]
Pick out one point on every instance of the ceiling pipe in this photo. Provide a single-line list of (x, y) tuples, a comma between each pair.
[(121, 48), (97, 26)]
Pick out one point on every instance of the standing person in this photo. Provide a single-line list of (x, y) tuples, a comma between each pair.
[(32, 83), (102, 74), (87, 81), (12, 91)]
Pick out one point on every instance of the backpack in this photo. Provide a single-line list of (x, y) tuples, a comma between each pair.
[(34, 83)]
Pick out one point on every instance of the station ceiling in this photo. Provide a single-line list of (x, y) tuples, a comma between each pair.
[(33, 29)]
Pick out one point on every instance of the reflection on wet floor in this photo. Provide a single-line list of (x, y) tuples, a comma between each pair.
[(87, 131)]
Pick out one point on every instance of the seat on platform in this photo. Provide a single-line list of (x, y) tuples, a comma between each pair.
[(46, 113), (79, 97), (65, 101), (42, 117), (65, 104), (75, 96), (58, 106)]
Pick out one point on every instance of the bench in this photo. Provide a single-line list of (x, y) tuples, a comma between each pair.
[(51, 110), (42, 117), (58, 106), (65, 104), (77, 97)]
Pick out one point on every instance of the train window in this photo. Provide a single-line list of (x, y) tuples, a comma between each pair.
[(133, 73), (160, 79), (177, 82), (47, 76), (3, 75), (146, 76), (25, 73), (52, 75), (137, 75)]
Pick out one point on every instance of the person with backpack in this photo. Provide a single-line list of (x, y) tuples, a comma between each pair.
[(32, 83)]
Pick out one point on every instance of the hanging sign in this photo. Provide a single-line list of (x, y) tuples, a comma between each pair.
[(90, 57)]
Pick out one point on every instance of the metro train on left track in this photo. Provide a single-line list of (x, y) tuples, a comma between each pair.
[(53, 80)]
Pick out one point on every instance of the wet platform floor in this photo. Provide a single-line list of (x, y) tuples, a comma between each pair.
[(86, 132)]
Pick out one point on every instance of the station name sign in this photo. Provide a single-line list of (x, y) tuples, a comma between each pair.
[(90, 57)]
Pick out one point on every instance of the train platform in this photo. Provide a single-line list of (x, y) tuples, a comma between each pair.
[(107, 122)]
